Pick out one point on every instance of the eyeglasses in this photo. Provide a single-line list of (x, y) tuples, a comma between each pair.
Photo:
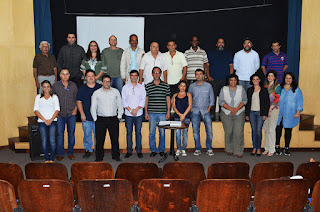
[(106, 81)]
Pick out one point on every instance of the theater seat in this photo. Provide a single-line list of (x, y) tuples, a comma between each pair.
[(311, 172), (46, 171), (12, 173), (8, 201), (229, 170)]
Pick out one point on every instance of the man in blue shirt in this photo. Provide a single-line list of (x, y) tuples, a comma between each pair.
[(203, 100), (84, 103), (220, 66)]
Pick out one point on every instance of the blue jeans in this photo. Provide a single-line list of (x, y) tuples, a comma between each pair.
[(184, 135), (196, 119), (71, 126), (137, 122), (48, 136), (155, 118), (88, 127), (245, 84), (256, 122), (116, 82)]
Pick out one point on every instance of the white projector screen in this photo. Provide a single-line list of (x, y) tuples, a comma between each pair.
[(101, 28)]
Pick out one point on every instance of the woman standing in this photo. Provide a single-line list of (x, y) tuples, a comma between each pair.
[(46, 107), (291, 105), (182, 104), (257, 110), (270, 123), (93, 61), (232, 99)]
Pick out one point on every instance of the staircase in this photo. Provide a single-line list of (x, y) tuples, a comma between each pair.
[(307, 124)]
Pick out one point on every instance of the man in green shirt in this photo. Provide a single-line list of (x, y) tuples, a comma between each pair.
[(111, 58)]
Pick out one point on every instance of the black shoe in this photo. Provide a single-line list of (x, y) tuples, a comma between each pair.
[(117, 159), (128, 155), (87, 154), (286, 151), (140, 155), (162, 154), (278, 150), (98, 160), (153, 154)]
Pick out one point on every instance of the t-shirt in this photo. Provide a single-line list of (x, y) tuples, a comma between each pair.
[(84, 95), (157, 97), (111, 60), (46, 107), (195, 60), (219, 62)]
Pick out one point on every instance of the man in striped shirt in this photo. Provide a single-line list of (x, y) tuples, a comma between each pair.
[(196, 58), (157, 109)]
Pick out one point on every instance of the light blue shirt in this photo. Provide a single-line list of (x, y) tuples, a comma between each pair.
[(202, 97), (133, 64), (289, 104), (246, 64)]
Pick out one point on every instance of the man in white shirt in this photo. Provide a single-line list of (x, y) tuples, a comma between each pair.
[(152, 59), (246, 62), (131, 58), (177, 67), (106, 110), (133, 100)]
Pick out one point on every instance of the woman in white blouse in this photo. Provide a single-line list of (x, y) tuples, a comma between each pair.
[(46, 107)]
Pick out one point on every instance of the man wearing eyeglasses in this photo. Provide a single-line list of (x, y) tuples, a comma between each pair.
[(106, 110), (133, 100)]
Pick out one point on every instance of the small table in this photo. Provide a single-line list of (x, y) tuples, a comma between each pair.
[(171, 152)]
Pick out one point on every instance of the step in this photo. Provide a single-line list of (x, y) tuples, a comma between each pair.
[(18, 146), (33, 120), (316, 128), (306, 122), (24, 133)]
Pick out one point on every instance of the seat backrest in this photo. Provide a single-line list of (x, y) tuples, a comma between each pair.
[(46, 195), (315, 200), (229, 170), (270, 170), (8, 201), (311, 172), (191, 171), (135, 172), (46, 171), (281, 195), (12, 173), (105, 195), (164, 195), (224, 195)]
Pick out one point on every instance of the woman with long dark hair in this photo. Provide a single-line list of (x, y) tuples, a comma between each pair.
[(291, 105)]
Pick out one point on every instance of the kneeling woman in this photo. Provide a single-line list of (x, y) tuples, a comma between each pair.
[(257, 110), (232, 100), (46, 107)]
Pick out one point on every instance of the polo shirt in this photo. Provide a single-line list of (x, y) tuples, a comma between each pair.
[(175, 67), (195, 60), (84, 95), (111, 59), (219, 62), (45, 64), (157, 97), (246, 64), (275, 62)]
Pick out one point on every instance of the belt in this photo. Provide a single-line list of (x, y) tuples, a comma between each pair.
[(47, 75)]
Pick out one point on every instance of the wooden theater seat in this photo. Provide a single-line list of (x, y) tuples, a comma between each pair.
[(12, 173), (315, 200), (105, 195), (224, 195), (8, 201), (311, 172), (46, 171), (229, 170), (135, 172), (164, 195), (46, 195)]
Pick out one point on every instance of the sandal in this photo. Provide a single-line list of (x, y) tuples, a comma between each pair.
[(270, 154), (265, 152)]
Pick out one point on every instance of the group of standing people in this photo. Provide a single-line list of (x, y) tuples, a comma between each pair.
[(92, 83)]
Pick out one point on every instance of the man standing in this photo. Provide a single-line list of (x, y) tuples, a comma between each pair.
[(157, 109), (196, 59), (44, 66), (177, 67), (106, 110), (84, 103), (152, 59), (70, 57), (111, 58), (203, 100), (275, 60), (67, 92), (133, 100), (131, 58), (221, 65), (246, 62)]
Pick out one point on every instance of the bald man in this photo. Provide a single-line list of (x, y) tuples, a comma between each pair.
[(111, 59), (153, 58)]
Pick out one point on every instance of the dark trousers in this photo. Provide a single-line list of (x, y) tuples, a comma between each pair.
[(287, 135), (102, 125), (216, 86), (77, 80), (173, 90)]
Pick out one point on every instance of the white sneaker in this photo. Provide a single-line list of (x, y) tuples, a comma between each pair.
[(184, 154), (178, 152), (210, 153), (197, 152)]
